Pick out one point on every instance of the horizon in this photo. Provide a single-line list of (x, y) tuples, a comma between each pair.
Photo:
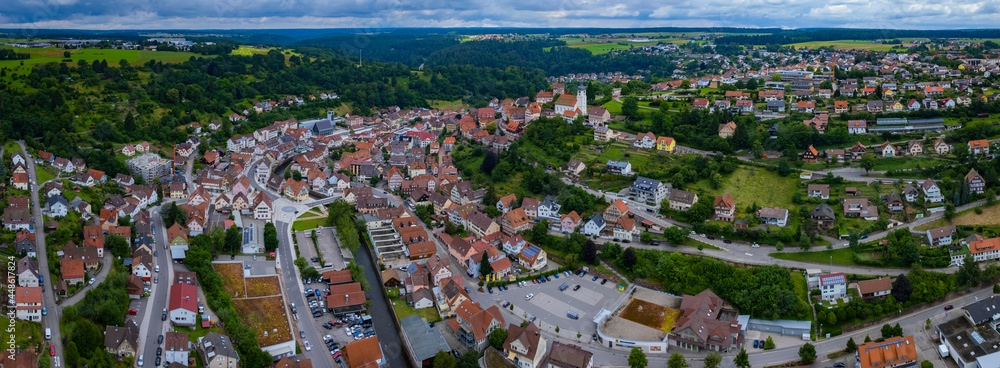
[(231, 15)]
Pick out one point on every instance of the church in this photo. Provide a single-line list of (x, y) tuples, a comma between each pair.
[(569, 106)]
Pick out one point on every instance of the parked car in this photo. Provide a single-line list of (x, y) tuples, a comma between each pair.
[(308, 347), (302, 334), (52, 352), (133, 312), (863, 236), (159, 340), (577, 287), (604, 281), (529, 296), (727, 241), (506, 304), (158, 361), (490, 289), (949, 307), (710, 237), (159, 351)]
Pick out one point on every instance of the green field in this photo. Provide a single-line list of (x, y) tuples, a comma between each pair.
[(842, 256), (43, 175), (403, 311), (55, 55), (603, 46), (300, 225), (901, 163), (26, 333), (753, 185), (845, 45)]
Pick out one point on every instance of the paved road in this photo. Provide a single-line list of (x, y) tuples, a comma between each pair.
[(106, 264), (152, 326), (294, 293), (48, 297)]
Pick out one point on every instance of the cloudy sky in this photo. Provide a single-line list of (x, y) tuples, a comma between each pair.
[(374, 14)]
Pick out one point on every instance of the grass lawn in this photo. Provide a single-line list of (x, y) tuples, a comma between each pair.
[(10, 147), (614, 107), (935, 224), (403, 311), (198, 331), (688, 242), (300, 225), (842, 256), (43, 175), (26, 334), (800, 286), (885, 164), (749, 185), (446, 105)]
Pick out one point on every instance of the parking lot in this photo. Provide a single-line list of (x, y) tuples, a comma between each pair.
[(550, 306), (259, 266), (340, 334)]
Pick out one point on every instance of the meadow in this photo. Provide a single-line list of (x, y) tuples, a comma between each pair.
[(753, 185), (845, 45), (113, 56)]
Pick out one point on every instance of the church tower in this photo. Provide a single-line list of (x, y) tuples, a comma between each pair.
[(581, 98)]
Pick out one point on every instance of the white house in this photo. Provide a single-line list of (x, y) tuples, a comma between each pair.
[(622, 168), (549, 209), (985, 249), (595, 225), (941, 235), (773, 216), (176, 348), (645, 140), (513, 244), (183, 304), (932, 192), (28, 303), (624, 229), (56, 206), (833, 286), (650, 191)]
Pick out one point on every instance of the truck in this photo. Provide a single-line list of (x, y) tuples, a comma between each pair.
[(563, 287), (943, 350)]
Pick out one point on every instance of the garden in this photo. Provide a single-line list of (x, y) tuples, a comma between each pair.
[(651, 315)]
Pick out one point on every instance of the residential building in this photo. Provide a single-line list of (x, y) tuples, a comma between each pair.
[(979, 147), (682, 200), (619, 168), (569, 222), (874, 288), (727, 130), (665, 144), (824, 216), (183, 306), (532, 257), (473, 324), (176, 348), (149, 166), (707, 323), (594, 226), (569, 356), (985, 249), (941, 235), (28, 303), (525, 345), (514, 221), (773, 216), (725, 208), (549, 208), (890, 353), (624, 230), (976, 182), (833, 286), (821, 191), (932, 192), (218, 351), (122, 341), (650, 191)]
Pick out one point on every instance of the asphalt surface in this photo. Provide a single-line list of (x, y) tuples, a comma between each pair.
[(54, 313), (151, 311)]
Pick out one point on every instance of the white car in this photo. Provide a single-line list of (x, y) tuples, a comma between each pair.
[(529, 296), (140, 360), (308, 347)]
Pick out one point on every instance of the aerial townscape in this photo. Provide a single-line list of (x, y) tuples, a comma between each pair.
[(499, 197)]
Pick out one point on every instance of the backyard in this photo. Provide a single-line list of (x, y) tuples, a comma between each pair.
[(403, 311)]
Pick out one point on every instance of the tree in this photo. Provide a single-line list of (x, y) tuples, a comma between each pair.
[(233, 239), (485, 268), (713, 359), (646, 237), (887, 331), (300, 263), (867, 162), (926, 364), (87, 337), (443, 359), (901, 288), (630, 108), (489, 162), (66, 54), (270, 237), (996, 288), (784, 168), (851, 345), (868, 339), (685, 84), (118, 245), (742, 360), (677, 361), (629, 258), (776, 77), (590, 252), (968, 273), (637, 359), (297, 175), (468, 360), (497, 338), (807, 353), (769, 343)]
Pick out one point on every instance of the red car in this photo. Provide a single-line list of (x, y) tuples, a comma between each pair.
[(132, 312), (949, 307), (52, 350)]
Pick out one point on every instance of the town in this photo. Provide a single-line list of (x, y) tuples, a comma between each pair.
[(803, 207)]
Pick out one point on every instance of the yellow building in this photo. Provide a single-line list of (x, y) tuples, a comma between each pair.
[(665, 144)]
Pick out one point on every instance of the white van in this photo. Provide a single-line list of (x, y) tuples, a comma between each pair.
[(48, 333)]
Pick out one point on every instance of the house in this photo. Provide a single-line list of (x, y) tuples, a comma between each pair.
[(841, 107), (532, 257), (650, 191), (480, 225), (874, 288), (176, 347), (24, 243), (888, 150), (858, 150), (975, 181), (142, 265), (985, 249), (19, 181), (833, 286), (262, 207), (893, 202), (473, 324), (346, 298), (507, 202), (911, 193), (725, 208), (941, 148), (805, 106), (15, 219), (645, 140), (821, 191), (979, 147), (603, 134), (513, 245), (569, 356), (574, 167), (366, 353), (941, 235), (525, 345), (895, 352), (548, 208), (824, 216), (619, 168), (569, 222), (296, 190), (27, 303), (624, 230), (594, 226), (932, 192), (773, 216), (217, 351), (27, 272), (914, 147), (682, 200), (134, 287), (183, 306), (122, 341), (860, 207), (617, 210), (810, 155), (727, 130), (857, 126)]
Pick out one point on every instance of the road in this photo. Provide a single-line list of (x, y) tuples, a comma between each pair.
[(295, 293), (48, 297), (152, 326), (106, 264)]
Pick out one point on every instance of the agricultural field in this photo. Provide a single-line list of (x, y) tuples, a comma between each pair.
[(750, 185), (262, 286), (232, 278), (55, 55), (845, 45), (602, 46), (990, 216), (651, 315), (265, 315)]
